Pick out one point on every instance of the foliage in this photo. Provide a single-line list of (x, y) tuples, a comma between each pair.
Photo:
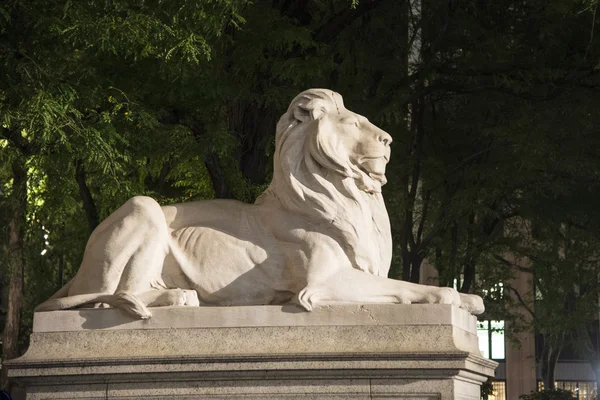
[(492, 106), (556, 394), (487, 389)]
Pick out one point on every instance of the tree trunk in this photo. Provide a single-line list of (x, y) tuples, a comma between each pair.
[(86, 196), (414, 110), (415, 272), (61, 271), (544, 360), (406, 265), (16, 263), (217, 177), (470, 258), (415, 152), (549, 360), (254, 124), (552, 367), (590, 349), (469, 275)]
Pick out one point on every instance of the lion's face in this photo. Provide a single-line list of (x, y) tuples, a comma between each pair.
[(337, 139), (366, 146)]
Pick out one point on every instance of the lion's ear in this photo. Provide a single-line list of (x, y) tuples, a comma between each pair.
[(309, 112), (301, 114), (318, 111)]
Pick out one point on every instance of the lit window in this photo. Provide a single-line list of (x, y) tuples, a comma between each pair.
[(499, 391), (484, 338), (497, 339), (581, 390), (491, 339)]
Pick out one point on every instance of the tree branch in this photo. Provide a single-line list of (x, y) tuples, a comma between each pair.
[(340, 21), (513, 265), (89, 206), (521, 300)]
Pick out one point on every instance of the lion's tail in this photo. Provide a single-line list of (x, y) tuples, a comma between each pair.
[(128, 302)]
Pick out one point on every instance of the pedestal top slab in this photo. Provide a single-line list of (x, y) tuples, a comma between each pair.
[(253, 331), (208, 352), (256, 316)]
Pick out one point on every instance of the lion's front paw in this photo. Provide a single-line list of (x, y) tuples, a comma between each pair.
[(174, 297), (445, 295), (191, 298), (472, 303), (400, 299)]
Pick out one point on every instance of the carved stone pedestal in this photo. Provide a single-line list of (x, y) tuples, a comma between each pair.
[(404, 352)]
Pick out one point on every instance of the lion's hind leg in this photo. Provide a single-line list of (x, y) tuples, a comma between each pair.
[(135, 305)]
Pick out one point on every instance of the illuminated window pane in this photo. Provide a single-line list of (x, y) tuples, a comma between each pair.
[(497, 340), (490, 335), (499, 388), (498, 345), (581, 390), (587, 390), (497, 325), (484, 341)]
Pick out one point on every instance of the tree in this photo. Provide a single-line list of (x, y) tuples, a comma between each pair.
[(60, 108), (492, 107)]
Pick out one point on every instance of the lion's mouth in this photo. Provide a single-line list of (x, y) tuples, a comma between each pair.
[(373, 175), (378, 177), (385, 157)]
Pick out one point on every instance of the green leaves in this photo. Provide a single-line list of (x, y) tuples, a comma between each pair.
[(168, 31), (492, 106), (102, 85)]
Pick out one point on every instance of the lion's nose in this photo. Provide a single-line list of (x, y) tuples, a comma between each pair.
[(385, 138)]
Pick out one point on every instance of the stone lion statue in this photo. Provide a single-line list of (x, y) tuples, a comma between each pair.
[(319, 233)]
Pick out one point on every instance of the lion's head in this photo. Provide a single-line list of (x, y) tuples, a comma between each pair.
[(329, 164), (338, 139)]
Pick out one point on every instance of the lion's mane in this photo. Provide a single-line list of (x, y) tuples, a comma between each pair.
[(314, 177)]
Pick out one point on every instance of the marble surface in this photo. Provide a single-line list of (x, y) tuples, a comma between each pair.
[(319, 234), (257, 316), (366, 351)]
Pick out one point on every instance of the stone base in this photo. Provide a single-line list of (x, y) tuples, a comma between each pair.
[(404, 352)]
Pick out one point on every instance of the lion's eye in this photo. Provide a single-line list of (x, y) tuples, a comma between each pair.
[(350, 121)]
